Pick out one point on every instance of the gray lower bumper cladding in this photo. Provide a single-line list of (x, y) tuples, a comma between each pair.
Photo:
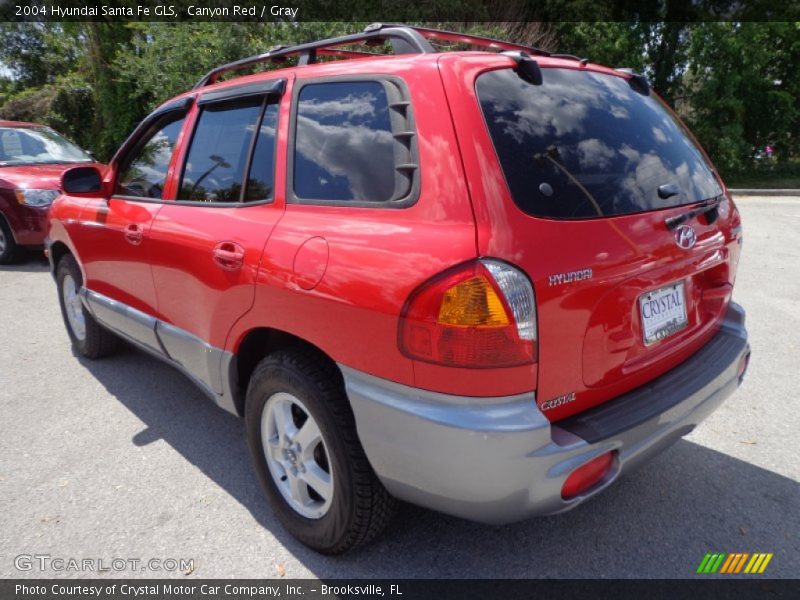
[(498, 460)]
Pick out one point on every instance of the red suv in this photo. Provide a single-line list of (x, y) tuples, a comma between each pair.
[(487, 283), (32, 159)]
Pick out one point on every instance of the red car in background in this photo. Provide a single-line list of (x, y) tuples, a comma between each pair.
[(32, 160)]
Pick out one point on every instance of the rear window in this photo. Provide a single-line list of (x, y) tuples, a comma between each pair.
[(586, 145)]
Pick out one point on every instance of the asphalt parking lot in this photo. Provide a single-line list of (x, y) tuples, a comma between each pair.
[(123, 457)]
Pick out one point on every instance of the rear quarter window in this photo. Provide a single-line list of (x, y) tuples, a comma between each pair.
[(354, 143), (586, 145)]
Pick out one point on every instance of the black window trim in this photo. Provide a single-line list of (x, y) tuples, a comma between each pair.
[(274, 87), (269, 88), (396, 94), (267, 99)]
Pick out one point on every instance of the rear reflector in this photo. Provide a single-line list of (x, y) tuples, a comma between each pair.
[(587, 475), (744, 362)]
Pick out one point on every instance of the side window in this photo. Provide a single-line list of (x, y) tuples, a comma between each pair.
[(350, 145), (144, 170), (217, 157), (261, 179)]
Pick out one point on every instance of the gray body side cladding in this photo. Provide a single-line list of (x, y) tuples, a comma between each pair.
[(212, 369)]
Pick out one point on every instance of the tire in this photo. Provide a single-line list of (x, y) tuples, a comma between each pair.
[(9, 250), (353, 507), (89, 338)]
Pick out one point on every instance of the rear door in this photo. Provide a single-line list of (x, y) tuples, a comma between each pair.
[(574, 181), (207, 244)]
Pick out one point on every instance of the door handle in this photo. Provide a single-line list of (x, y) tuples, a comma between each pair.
[(134, 234), (228, 256)]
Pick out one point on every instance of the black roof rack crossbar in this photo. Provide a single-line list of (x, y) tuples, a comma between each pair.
[(405, 39), (464, 38)]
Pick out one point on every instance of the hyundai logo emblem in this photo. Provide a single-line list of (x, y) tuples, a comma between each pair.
[(685, 236)]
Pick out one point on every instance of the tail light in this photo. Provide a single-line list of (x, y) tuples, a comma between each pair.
[(481, 314)]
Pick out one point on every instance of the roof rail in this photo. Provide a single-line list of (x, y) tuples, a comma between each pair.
[(405, 39), (465, 38)]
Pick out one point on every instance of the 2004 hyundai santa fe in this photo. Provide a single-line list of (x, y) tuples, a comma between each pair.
[(485, 282)]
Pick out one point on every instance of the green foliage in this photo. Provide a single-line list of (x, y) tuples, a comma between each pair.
[(31, 104), (743, 86), (166, 59), (65, 105), (115, 108), (657, 50), (72, 111), (736, 84), (613, 44), (37, 53)]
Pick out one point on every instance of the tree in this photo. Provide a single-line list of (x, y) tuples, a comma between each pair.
[(38, 53), (166, 59), (743, 89), (735, 83), (116, 110)]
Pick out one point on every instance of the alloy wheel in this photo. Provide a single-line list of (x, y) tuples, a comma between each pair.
[(297, 455), (73, 307)]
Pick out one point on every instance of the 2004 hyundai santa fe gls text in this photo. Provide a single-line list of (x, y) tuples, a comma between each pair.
[(493, 314)]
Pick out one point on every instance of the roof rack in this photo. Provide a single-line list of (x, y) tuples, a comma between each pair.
[(405, 39)]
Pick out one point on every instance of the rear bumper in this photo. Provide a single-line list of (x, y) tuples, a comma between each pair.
[(498, 460)]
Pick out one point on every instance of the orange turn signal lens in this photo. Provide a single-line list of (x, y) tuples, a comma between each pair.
[(463, 318), (472, 303)]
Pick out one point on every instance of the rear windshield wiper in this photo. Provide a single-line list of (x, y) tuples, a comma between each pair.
[(708, 208)]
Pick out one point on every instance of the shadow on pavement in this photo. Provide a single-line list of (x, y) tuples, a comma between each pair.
[(29, 263), (656, 522)]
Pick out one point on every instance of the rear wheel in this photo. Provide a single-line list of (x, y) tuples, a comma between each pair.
[(297, 456), (307, 455), (89, 338), (9, 251)]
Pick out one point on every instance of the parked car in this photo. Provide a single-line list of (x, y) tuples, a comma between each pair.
[(487, 283), (32, 159)]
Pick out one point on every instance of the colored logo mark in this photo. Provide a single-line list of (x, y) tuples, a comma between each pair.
[(740, 562)]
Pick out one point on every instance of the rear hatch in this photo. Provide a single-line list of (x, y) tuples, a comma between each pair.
[(605, 211)]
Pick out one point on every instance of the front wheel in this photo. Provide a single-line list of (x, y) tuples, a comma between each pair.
[(307, 455), (89, 338), (9, 251)]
